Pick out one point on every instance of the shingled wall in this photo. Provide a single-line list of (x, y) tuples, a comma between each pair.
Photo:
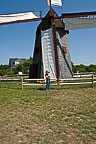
[(65, 67)]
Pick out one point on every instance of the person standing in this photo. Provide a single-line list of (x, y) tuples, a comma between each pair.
[(47, 75)]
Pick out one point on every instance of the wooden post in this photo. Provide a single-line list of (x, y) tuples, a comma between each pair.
[(92, 81), (22, 83), (55, 44), (50, 4), (58, 82)]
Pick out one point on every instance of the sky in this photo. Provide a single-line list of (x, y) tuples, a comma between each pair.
[(17, 40)]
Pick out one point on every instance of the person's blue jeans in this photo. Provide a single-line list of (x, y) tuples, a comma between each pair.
[(47, 84)]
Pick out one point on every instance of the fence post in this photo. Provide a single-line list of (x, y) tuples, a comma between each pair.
[(22, 82), (92, 81), (58, 81)]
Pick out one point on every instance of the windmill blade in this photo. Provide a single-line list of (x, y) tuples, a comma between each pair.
[(81, 20), (80, 23), (18, 18)]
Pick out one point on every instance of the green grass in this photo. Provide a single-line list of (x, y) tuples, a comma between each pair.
[(59, 116)]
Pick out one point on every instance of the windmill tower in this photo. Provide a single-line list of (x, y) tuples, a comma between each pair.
[(45, 57)]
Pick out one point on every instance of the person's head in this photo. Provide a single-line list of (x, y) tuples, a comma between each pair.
[(46, 72)]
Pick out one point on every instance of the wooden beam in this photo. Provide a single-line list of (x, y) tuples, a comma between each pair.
[(54, 43), (79, 14), (21, 21)]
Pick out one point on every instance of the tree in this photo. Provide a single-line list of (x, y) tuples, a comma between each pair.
[(80, 68), (18, 68), (26, 65), (23, 66), (91, 68)]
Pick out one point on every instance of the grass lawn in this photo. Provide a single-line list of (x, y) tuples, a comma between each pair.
[(58, 116)]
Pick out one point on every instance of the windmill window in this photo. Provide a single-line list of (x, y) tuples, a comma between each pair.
[(64, 49)]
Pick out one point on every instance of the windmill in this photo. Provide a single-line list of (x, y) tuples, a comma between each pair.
[(54, 55)]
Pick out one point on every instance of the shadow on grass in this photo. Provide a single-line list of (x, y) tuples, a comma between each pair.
[(41, 88)]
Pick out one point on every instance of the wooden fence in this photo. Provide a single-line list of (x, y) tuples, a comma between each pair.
[(82, 80), (76, 80)]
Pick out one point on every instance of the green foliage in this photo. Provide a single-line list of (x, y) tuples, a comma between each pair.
[(2, 72), (18, 68), (9, 71), (83, 68), (80, 68), (3, 67), (91, 68), (26, 65)]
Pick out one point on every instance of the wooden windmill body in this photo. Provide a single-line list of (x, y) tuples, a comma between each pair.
[(61, 58), (54, 57)]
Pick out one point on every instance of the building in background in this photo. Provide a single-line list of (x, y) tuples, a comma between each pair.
[(14, 61)]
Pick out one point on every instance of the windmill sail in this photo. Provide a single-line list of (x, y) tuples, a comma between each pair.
[(11, 18), (48, 53), (80, 23), (55, 2)]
